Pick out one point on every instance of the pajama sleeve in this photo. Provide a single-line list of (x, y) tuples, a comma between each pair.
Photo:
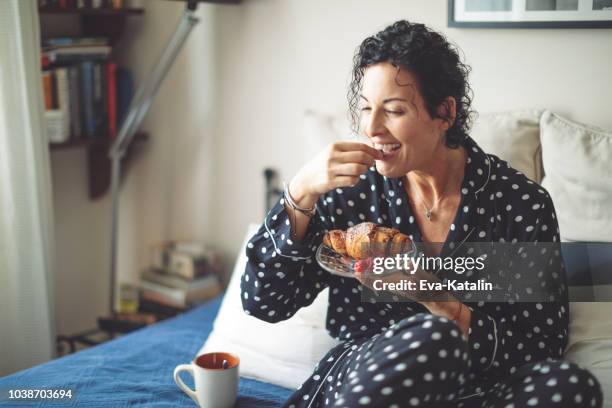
[(281, 275), (506, 335)]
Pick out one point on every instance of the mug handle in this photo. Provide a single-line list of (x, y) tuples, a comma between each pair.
[(177, 379)]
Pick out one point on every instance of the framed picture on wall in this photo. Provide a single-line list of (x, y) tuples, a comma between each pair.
[(530, 13)]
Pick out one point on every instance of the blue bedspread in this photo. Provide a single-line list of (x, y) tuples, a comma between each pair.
[(136, 369)]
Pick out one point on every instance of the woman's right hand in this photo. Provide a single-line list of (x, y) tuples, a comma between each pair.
[(339, 165)]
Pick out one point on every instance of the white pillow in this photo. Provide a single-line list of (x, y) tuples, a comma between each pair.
[(283, 353), (320, 129), (514, 137), (578, 166), (590, 321), (590, 342)]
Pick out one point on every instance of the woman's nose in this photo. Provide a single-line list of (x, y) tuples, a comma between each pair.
[(374, 124)]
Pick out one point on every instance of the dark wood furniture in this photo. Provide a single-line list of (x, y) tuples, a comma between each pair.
[(109, 328), (89, 22)]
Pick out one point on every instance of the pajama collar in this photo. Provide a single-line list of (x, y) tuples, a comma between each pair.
[(477, 176)]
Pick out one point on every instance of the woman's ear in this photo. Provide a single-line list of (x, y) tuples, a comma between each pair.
[(447, 111)]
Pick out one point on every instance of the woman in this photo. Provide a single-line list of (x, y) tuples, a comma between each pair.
[(423, 175)]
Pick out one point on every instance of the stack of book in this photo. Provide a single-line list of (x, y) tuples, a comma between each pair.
[(85, 93), (80, 4), (182, 274)]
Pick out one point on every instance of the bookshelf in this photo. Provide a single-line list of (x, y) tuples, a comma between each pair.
[(99, 170), (83, 143), (86, 22), (91, 11)]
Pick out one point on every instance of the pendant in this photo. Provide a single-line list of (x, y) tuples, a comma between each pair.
[(428, 215)]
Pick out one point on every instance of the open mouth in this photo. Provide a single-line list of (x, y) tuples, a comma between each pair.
[(387, 148)]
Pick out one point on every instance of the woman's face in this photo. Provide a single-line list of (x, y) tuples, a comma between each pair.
[(395, 120)]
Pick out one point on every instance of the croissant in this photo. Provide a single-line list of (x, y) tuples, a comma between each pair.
[(367, 240)]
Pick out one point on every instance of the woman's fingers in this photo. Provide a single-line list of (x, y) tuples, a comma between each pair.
[(345, 181), (339, 165), (358, 146), (350, 169), (356, 157)]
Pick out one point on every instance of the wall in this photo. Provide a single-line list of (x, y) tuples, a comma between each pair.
[(170, 186), (280, 57)]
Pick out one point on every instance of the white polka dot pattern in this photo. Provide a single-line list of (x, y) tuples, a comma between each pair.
[(388, 348)]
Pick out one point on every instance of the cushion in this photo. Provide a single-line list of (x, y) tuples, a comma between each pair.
[(589, 321), (577, 168), (514, 137), (283, 353), (588, 268), (577, 163), (590, 342), (320, 129)]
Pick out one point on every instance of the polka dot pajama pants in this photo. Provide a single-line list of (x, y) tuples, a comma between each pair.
[(422, 361)]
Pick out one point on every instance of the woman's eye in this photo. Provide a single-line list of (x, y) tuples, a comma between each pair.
[(391, 112)]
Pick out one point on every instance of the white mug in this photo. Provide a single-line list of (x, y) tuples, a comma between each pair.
[(216, 377)]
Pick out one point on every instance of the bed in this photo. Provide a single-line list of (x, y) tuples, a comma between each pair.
[(136, 369)]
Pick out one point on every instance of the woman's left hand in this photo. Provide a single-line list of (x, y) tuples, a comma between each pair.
[(441, 303)]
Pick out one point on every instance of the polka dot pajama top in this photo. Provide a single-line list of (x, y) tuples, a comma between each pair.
[(397, 354)]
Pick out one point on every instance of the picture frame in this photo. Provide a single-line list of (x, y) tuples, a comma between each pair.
[(530, 13)]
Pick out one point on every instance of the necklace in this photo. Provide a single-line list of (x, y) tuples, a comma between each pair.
[(428, 210)]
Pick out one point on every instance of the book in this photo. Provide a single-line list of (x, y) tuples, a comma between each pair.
[(55, 122), (75, 101), (77, 53), (179, 297), (125, 90), (99, 98), (153, 297), (53, 90), (187, 259), (87, 99), (47, 79), (63, 99), (111, 83), (173, 281), (61, 42)]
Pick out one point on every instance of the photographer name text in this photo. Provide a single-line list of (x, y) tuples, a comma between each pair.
[(425, 285)]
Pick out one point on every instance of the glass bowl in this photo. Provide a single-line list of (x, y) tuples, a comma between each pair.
[(345, 266)]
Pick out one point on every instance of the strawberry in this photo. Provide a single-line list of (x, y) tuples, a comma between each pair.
[(363, 265)]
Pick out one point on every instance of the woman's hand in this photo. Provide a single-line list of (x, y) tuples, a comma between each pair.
[(339, 165), (440, 303)]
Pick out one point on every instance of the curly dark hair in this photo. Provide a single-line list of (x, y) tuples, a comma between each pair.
[(434, 62)]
